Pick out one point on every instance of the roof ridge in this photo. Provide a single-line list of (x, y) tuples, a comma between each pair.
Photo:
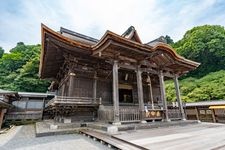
[(77, 34), (159, 39), (132, 34), (131, 28)]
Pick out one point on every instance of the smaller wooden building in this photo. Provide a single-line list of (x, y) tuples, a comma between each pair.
[(3, 108), (206, 111), (20, 107), (5, 103)]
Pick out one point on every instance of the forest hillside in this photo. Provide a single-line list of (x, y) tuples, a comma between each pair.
[(204, 44)]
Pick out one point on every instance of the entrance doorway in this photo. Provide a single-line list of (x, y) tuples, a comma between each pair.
[(125, 96)]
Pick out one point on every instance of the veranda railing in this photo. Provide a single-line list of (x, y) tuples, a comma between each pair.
[(74, 100)]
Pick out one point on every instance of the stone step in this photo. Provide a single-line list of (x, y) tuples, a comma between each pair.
[(46, 128), (134, 126)]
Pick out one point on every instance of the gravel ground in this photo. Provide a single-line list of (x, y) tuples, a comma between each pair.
[(23, 138)]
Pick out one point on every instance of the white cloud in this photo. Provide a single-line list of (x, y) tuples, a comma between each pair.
[(151, 18)]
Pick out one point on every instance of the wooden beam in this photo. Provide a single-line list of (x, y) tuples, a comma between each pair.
[(124, 58), (96, 52), (147, 63), (130, 66), (149, 70), (168, 74), (153, 54), (129, 48), (73, 49)]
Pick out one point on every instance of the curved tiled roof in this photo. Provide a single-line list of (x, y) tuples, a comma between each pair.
[(93, 46)]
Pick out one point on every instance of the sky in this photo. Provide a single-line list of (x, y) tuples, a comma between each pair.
[(20, 20)]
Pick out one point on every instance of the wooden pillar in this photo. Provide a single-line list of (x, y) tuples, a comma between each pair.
[(27, 101), (115, 94), (71, 84), (63, 89), (43, 108), (1, 118), (196, 111), (213, 115), (178, 97), (150, 91), (163, 95), (2, 112), (95, 87), (140, 94)]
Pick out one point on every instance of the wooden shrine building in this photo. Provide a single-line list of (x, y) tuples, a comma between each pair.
[(115, 79)]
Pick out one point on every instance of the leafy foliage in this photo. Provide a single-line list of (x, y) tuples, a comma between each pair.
[(204, 44), (1, 52), (19, 69), (169, 40), (209, 87)]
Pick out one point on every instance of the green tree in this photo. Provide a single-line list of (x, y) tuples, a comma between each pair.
[(169, 40), (28, 79), (204, 44), (19, 69), (209, 87), (20, 46), (1, 52), (11, 62)]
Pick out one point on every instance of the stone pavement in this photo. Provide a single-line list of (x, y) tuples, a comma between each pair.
[(201, 136), (198, 136), (23, 138)]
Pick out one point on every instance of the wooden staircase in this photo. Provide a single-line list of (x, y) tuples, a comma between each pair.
[(111, 141)]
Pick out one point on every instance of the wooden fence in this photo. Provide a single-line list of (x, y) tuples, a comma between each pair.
[(174, 113), (132, 114), (126, 114), (28, 115), (219, 115), (205, 114), (129, 114)]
